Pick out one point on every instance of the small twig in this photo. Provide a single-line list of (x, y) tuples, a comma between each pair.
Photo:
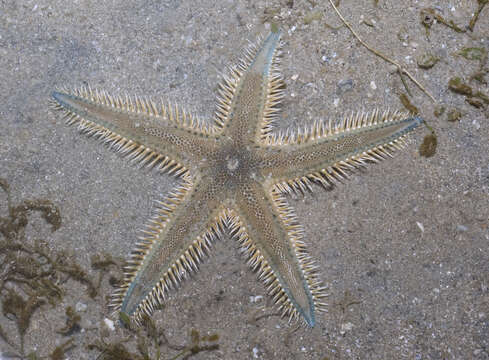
[(400, 69)]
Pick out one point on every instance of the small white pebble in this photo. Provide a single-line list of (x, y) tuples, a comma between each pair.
[(346, 327), (255, 352), (110, 324), (392, 69), (420, 225), (80, 307), (462, 228), (336, 102), (255, 299), (294, 77), (373, 85)]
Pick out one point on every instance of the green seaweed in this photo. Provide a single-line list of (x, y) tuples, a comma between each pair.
[(60, 351), (312, 16), (198, 344), (103, 261), (149, 343), (428, 17), (428, 147), (115, 351), (439, 110), (32, 277), (473, 53), (475, 102), (72, 322), (407, 104), (457, 85), (22, 310), (427, 61), (475, 98), (475, 17), (484, 97), (454, 115), (32, 273)]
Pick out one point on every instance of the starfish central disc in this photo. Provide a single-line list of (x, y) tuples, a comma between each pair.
[(233, 164)]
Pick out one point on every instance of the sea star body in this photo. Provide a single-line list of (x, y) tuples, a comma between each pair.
[(235, 173)]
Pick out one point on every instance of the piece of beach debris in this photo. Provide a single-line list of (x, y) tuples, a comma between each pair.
[(427, 61)]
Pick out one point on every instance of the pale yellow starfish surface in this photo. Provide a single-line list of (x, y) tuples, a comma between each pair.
[(235, 174)]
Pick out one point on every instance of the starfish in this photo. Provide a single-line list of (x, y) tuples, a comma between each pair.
[(235, 174)]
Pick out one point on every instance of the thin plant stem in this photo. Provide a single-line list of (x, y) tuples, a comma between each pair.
[(400, 69)]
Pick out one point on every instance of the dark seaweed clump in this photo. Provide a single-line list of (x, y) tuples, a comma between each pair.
[(149, 343), (32, 277), (32, 274)]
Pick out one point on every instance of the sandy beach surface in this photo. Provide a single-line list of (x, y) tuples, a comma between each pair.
[(403, 246)]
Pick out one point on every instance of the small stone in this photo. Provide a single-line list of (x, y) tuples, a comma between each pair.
[(80, 307), (344, 86), (256, 352), (403, 34), (255, 299), (294, 77), (109, 324), (420, 225), (373, 85)]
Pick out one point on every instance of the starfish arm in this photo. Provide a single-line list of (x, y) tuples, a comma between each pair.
[(248, 97), (155, 135), (176, 239), (271, 236), (326, 153)]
